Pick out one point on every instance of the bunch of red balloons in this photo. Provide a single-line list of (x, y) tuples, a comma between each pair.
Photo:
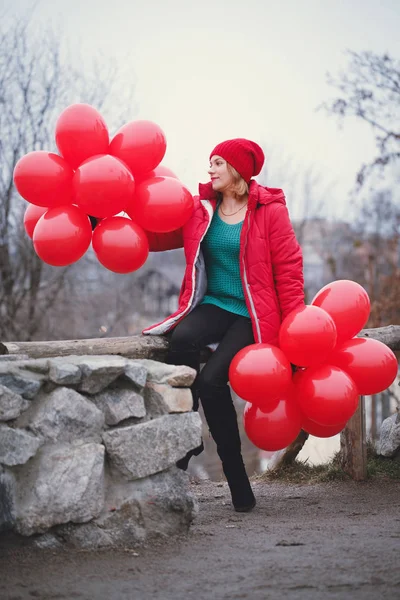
[(333, 369), (101, 178)]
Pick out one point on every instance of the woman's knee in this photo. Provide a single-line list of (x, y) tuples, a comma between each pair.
[(208, 381), (182, 338)]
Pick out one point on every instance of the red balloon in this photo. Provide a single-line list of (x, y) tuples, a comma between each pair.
[(120, 245), (103, 186), (62, 235), (32, 216), (260, 373), (371, 364), (161, 204), (274, 429), (321, 431), (307, 336), (326, 395), (140, 144), (81, 132), (163, 171), (44, 179), (159, 171), (348, 304)]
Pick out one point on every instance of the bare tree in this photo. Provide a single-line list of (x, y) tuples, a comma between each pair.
[(367, 251), (95, 302), (36, 84), (370, 91), (377, 247), (374, 262)]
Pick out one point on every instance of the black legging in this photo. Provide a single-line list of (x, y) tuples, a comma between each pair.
[(204, 325)]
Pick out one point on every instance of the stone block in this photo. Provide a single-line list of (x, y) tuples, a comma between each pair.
[(136, 373), (17, 446), (161, 399), (20, 381), (173, 375), (147, 448), (136, 512), (20, 361), (12, 357), (64, 373), (118, 404), (48, 541), (98, 372), (11, 404), (36, 365), (389, 439), (7, 499), (123, 528), (64, 415), (61, 483)]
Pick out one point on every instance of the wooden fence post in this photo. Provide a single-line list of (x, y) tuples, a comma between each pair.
[(353, 445)]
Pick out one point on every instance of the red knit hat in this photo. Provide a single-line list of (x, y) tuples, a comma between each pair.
[(244, 155)]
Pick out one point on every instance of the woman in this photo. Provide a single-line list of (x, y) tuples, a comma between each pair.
[(243, 276)]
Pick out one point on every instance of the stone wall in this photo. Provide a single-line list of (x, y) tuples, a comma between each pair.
[(389, 441), (88, 446)]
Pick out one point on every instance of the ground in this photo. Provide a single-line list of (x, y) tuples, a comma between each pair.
[(335, 540)]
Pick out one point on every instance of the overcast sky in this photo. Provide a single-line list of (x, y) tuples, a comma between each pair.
[(210, 70)]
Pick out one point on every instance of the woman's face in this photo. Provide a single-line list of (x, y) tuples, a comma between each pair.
[(221, 179)]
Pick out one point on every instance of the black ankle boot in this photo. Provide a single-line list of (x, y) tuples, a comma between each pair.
[(183, 463), (222, 422), (243, 499)]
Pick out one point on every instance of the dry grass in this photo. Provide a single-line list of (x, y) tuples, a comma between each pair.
[(379, 467), (299, 471)]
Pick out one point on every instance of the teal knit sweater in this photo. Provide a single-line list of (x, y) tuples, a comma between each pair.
[(220, 247)]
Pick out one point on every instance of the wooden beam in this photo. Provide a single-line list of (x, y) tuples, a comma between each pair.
[(389, 335), (154, 347), (353, 445), (136, 346), (147, 346)]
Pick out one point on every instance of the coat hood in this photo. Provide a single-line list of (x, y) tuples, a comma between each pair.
[(258, 194)]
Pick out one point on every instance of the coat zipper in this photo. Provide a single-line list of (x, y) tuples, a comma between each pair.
[(206, 206), (177, 318), (248, 286)]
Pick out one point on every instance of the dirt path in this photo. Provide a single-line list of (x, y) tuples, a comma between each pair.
[(334, 541)]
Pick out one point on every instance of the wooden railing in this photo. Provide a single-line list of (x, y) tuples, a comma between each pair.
[(353, 437)]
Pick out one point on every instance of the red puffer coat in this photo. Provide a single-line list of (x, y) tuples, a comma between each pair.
[(271, 263)]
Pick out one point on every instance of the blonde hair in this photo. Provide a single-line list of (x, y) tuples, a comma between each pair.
[(239, 187)]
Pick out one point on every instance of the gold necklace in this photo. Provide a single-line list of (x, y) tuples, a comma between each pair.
[(231, 214)]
